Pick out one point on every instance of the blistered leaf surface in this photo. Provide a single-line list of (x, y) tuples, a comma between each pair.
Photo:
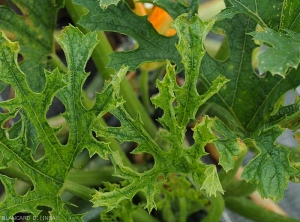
[(178, 159), (48, 175), (270, 170)]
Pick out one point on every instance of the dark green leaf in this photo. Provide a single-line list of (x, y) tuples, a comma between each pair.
[(34, 32), (270, 170), (151, 45), (283, 51)]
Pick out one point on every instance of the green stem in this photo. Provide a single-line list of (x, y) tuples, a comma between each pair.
[(182, 209), (141, 215), (249, 209), (55, 61), (145, 91), (100, 58), (79, 190), (93, 177)]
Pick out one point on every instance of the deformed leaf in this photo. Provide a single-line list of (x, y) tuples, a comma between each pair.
[(282, 53), (228, 144), (270, 170), (151, 45), (192, 32), (178, 159), (49, 174), (211, 183)]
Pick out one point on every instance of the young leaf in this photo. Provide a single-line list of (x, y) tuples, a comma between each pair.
[(151, 45), (229, 146), (192, 51), (178, 159), (270, 170), (282, 53), (34, 32)]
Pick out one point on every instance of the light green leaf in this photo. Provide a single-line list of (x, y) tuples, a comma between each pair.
[(49, 174), (105, 3), (282, 53), (46, 178), (191, 33), (212, 184), (229, 146), (151, 45), (270, 170), (178, 159)]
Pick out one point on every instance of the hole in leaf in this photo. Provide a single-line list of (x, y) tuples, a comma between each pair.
[(290, 97), (254, 61), (21, 187), (38, 153), (20, 58), (121, 42), (21, 217), (8, 92), (287, 139), (15, 8), (14, 127), (145, 160), (82, 159), (2, 193), (111, 120), (217, 45), (23, 183), (56, 107), (180, 78)]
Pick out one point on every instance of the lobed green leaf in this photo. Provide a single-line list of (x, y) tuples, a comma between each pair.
[(176, 158), (270, 170)]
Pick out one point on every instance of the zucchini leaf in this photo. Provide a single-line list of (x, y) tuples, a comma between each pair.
[(176, 158), (48, 174)]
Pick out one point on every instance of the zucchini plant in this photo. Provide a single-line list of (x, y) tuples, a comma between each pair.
[(151, 163)]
